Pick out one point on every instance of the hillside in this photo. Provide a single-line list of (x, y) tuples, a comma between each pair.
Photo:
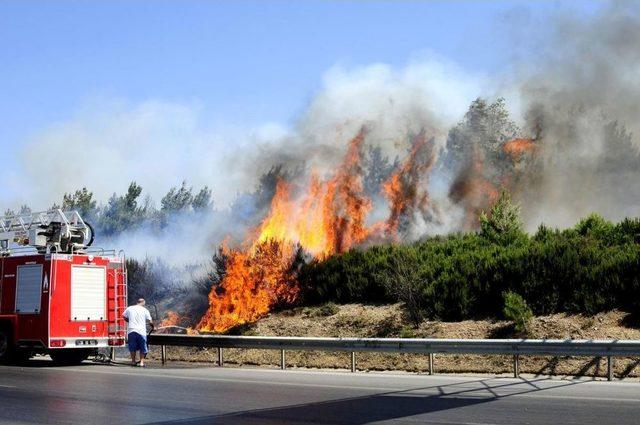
[(356, 320)]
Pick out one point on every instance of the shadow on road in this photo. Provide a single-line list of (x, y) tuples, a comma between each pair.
[(377, 407), (349, 411)]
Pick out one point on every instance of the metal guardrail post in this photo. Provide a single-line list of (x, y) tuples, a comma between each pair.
[(163, 354), (283, 364), (508, 347), (353, 361), (113, 353)]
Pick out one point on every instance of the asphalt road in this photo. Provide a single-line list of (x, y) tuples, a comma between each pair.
[(97, 394)]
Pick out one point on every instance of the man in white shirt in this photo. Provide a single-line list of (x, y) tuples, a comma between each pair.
[(137, 317)]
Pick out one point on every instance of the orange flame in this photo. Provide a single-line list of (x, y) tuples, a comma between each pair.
[(474, 191), (172, 319), (406, 188), (328, 218), (327, 215), (254, 281), (517, 148)]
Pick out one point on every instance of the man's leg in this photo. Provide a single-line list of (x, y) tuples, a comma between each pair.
[(131, 342), (143, 350)]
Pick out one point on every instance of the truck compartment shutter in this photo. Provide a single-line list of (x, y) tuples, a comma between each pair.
[(88, 293), (28, 291)]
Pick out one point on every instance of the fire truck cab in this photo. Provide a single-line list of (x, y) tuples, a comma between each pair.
[(58, 296)]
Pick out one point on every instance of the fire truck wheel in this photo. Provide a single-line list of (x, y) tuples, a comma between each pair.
[(5, 346), (69, 356)]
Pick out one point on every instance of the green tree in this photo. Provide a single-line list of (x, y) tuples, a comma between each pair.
[(597, 227), (202, 200), (82, 201), (178, 199), (516, 310), (485, 127), (503, 224), (407, 284), (123, 212)]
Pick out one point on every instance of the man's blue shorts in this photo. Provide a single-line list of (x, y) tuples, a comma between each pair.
[(137, 342)]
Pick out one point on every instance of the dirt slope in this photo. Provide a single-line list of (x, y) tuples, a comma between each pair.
[(357, 320)]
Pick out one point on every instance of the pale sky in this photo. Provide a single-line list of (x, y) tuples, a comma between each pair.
[(239, 63)]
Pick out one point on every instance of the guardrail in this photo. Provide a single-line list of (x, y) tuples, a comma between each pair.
[(513, 347)]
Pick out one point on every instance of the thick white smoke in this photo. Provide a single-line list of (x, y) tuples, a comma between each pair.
[(581, 93), (106, 145), (568, 93)]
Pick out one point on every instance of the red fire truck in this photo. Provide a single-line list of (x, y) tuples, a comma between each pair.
[(58, 295)]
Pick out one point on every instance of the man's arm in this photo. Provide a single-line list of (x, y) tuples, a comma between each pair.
[(149, 320), (125, 315)]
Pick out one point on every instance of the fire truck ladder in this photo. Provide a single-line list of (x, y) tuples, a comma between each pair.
[(34, 230), (117, 329)]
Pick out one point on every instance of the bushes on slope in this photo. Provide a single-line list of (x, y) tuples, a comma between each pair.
[(592, 267)]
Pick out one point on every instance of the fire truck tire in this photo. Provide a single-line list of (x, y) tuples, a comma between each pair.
[(5, 346), (8, 353), (68, 357)]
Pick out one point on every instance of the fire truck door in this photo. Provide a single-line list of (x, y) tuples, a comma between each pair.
[(29, 300)]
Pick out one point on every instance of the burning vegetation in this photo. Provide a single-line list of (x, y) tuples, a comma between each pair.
[(327, 217), (518, 148), (358, 195), (325, 214), (334, 187), (406, 188)]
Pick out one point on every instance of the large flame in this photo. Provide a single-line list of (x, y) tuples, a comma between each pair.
[(328, 217), (254, 281), (327, 214)]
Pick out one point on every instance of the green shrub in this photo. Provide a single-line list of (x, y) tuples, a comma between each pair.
[(516, 310), (592, 267), (502, 224), (407, 332), (328, 309)]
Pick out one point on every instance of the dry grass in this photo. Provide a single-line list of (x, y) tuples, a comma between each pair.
[(355, 320)]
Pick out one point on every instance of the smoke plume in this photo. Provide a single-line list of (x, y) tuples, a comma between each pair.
[(438, 146)]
